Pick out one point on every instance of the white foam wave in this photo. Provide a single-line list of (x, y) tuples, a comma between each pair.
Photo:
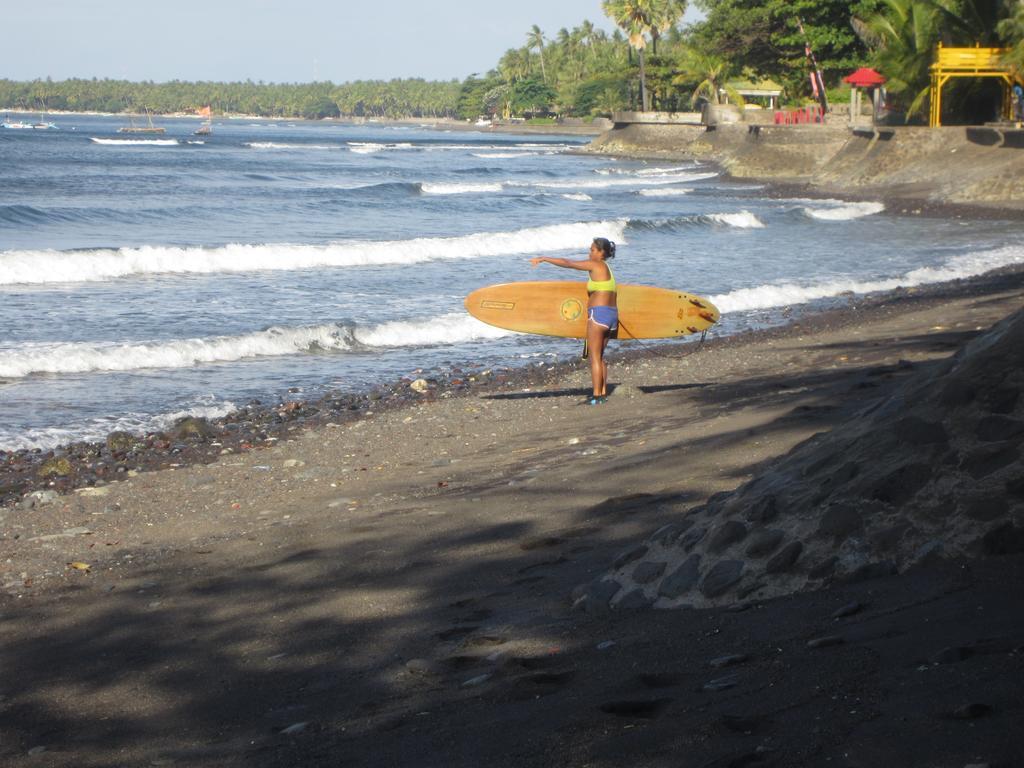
[(845, 212), (96, 430), (541, 145), (454, 328), (647, 171), (455, 188), (503, 155), (135, 142), (665, 192), (289, 146), (365, 148), (741, 220), (40, 267), (786, 294), (580, 196), (371, 148), (85, 357), (605, 183), (105, 357), (520, 149)]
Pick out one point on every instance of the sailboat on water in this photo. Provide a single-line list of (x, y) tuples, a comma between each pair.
[(134, 127), (42, 125), (206, 128)]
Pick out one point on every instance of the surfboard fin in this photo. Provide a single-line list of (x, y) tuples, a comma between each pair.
[(586, 350)]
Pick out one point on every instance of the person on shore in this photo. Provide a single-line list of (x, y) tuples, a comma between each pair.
[(602, 311), (1018, 102)]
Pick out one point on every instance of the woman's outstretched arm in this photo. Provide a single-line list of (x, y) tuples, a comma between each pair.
[(584, 265)]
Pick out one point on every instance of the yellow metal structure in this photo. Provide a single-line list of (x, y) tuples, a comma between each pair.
[(968, 62)]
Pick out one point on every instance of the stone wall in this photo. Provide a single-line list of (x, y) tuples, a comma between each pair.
[(977, 166)]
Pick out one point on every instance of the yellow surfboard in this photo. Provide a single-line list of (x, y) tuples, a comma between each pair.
[(559, 308)]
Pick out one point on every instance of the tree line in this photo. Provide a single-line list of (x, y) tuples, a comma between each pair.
[(378, 98), (652, 60)]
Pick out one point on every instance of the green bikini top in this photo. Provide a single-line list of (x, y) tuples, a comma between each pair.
[(602, 285)]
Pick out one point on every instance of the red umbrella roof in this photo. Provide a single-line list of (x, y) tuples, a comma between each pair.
[(864, 77)]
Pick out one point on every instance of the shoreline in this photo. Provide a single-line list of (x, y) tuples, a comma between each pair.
[(25, 473), (403, 589), (790, 546), (960, 169), (775, 188), (580, 128), (198, 440)]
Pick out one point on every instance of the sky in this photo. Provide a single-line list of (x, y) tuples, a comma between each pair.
[(280, 41)]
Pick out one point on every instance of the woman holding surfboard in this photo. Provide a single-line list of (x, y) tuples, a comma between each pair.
[(602, 312)]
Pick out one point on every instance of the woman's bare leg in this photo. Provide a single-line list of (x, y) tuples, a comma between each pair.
[(596, 339), (604, 366)]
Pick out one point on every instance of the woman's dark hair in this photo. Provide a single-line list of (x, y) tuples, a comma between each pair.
[(605, 246)]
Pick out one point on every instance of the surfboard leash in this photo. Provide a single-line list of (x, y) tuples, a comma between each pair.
[(654, 350)]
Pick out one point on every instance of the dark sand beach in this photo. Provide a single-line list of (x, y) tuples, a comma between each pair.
[(450, 578)]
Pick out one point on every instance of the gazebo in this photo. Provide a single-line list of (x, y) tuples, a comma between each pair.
[(865, 77), (761, 89)]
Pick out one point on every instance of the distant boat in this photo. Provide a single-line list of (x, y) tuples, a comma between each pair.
[(134, 127), (206, 128), (42, 125)]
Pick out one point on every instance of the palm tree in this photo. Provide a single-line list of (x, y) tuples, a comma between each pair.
[(514, 65), (907, 31), (535, 39), (637, 18), (587, 37), (667, 14), (709, 71), (1011, 30)]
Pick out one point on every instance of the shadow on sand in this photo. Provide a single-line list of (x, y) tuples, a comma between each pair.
[(379, 647)]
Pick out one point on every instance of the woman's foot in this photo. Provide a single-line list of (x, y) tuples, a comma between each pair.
[(596, 400)]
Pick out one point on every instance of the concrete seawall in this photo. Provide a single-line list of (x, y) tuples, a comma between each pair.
[(959, 165)]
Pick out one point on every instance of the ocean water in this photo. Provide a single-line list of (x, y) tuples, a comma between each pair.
[(146, 278)]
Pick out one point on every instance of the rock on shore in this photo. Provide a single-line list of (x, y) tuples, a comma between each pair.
[(933, 471)]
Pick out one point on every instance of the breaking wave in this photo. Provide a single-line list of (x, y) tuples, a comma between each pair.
[(442, 188), (276, 341), (786, 294), (136, 142), (741, 220), (845, 212), (665, 192), (48, 266), (96, 429)]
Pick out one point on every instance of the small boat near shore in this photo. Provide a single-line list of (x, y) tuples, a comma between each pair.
[(206, 128), (20, 125), (134, 127)]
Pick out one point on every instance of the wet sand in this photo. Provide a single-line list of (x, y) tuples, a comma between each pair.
[(397, 588)]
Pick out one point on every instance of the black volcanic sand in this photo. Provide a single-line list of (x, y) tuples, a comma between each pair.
[(418, 583)]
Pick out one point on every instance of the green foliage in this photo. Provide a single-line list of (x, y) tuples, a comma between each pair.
[(472, 97), (764, 35), (584, 71), (710, 73), (1011, 31), (602, 94), (394, 98), (904, 34), (531, 96), (640, 20)]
